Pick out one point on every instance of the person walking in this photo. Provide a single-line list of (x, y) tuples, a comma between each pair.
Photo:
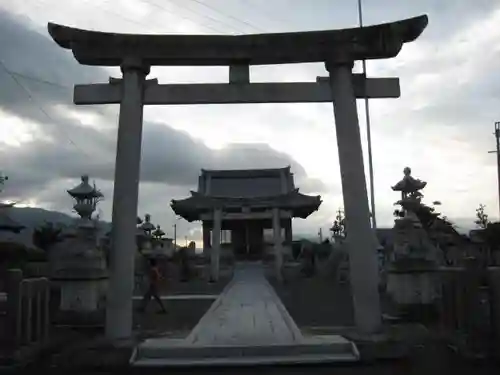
[(154, 277)]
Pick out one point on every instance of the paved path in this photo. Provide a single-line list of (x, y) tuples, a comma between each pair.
[(247, 312), (246, 325)]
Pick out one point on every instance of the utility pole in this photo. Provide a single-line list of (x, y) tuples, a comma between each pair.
[(368, 135), (320, 234), (175, 236), (497, 151)]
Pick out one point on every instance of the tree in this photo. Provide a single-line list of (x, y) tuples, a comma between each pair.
[(426, 215), (434, 223), (46, 235), (482, 220)]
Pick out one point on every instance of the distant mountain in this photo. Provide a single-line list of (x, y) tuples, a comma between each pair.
[(33, 217)]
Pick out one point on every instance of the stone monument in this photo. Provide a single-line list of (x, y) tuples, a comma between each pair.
[(78, 265), (412, 265)]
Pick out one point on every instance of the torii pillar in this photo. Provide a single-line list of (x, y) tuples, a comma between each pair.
[(363, 263), (136, 53), (119, 305)]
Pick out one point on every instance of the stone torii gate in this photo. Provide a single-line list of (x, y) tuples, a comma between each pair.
[(338, 49)]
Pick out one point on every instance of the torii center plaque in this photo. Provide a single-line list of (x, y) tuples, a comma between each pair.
[(338, 49)]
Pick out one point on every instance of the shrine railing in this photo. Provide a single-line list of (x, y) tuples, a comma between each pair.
[(470, 308), (26, 321)]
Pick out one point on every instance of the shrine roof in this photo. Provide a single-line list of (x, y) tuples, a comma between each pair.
[(301, 205), (409, 185), (85, 190), (109, 49), (247, 183), (251, 173)]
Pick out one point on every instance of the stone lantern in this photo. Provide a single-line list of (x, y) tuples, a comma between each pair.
[(78, 264), (158, 233), (159, 248), (146, 229), (412, 280), (86, 198)]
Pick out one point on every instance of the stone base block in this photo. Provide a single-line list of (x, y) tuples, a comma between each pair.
[(412, 288), (82, 295), (175, 353)]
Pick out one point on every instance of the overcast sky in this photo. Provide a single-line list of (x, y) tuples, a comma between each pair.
[(441, 126)]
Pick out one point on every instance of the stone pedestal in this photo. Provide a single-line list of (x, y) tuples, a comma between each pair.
[(79, 270), (83, 296), (413, 286), (411, 273)]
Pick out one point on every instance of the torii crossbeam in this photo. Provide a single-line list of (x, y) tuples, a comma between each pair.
[(338, 49)]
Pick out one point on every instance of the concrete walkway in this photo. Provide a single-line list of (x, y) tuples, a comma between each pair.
[(248, 312), (246, 325)]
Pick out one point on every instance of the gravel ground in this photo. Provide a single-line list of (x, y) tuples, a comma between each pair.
[(198, 284), (182, 316), (316, 301)]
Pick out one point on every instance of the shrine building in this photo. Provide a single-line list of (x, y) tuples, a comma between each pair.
[(245, 203)]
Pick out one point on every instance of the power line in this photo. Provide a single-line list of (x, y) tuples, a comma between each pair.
[(180, 15), (368, 133), (206, 16), (50, 83), (275, 17), (228, 15), (32, 99), (36, 79), (106, 9)]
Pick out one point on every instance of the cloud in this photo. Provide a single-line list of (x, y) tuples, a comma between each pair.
[(441, 126), (66, 141)]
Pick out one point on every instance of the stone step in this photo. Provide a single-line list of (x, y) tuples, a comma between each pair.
[(165, 353)]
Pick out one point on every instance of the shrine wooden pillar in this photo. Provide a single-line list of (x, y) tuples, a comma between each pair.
[(288, 232), (278, 246), (215, 250), (206, 236)]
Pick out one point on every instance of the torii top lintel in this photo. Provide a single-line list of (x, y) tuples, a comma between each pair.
[(110, 49)]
